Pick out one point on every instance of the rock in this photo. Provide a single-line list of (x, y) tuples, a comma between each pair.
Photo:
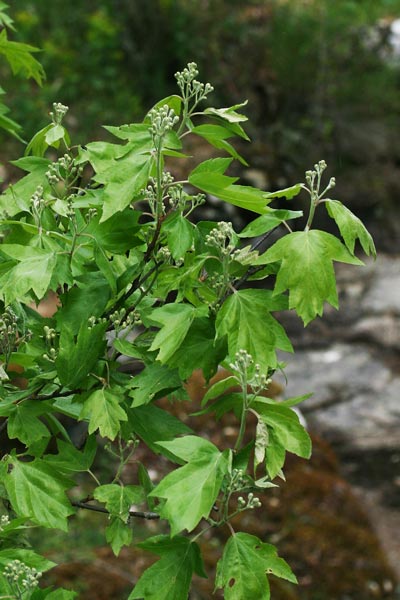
[(356, 396)]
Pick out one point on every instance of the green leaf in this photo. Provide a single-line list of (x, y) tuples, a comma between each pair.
[(152, 381), (190, 491), (275, 454), (175, 320), (219, 388), (20, 59), (118, 534), (212, 181), (70, 459), (104, 412), (79, 354), (179, 235), (117, 234), (230, 117), (287, 193), (24, 423), (239, 319), (28, 557), (152, 425), (89, 298), (123, 181), (170, 576), (33, 272), (350, 227), (268, 221), (199, 350), (17, 197), (244, 565), (306, 269), (37, 491), (285, 422), (119, 498), (216, 135)]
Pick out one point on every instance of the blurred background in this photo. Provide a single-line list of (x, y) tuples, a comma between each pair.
[(322, 79)]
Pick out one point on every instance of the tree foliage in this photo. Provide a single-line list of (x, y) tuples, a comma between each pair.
[(105, 227)]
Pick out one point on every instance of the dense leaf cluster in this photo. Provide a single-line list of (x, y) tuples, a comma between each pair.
[(105, 228)]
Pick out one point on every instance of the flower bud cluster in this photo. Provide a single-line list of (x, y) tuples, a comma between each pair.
[(121, 320), (221, 238), (260, 381), (38, 203), (8, 331), (237, 479), (21, 577), (252, 502), (163, 255), (162, 119), (50, 355), (242, 363), (4, 521), (92, 321), (63, 170), (49, 334), (189, 85), (58, 113)]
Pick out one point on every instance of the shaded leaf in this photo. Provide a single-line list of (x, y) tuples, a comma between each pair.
[(170, 576)]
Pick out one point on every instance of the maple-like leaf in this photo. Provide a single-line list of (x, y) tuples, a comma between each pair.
[(190, 491), (306, 269), (244, 565), (169, 578), (350, 227)]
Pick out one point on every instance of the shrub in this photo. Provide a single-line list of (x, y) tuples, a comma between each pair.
[(105, 227)]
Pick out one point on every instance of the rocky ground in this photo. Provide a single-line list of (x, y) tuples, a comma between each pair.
[(351, 360)]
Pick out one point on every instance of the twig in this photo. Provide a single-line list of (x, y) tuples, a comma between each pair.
[(132, 513)]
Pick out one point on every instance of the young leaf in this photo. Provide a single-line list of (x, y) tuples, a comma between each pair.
[(104, 412), (216, 135), (37, 491), (119, 498), (350, 227), (306, 269), (17, 197), (118, 534), (287, 193), (244, 565), (170, 576), (240, 318), (20, 59), (190, 491)]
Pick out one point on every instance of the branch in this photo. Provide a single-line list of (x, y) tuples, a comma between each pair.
[(132, 513)]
